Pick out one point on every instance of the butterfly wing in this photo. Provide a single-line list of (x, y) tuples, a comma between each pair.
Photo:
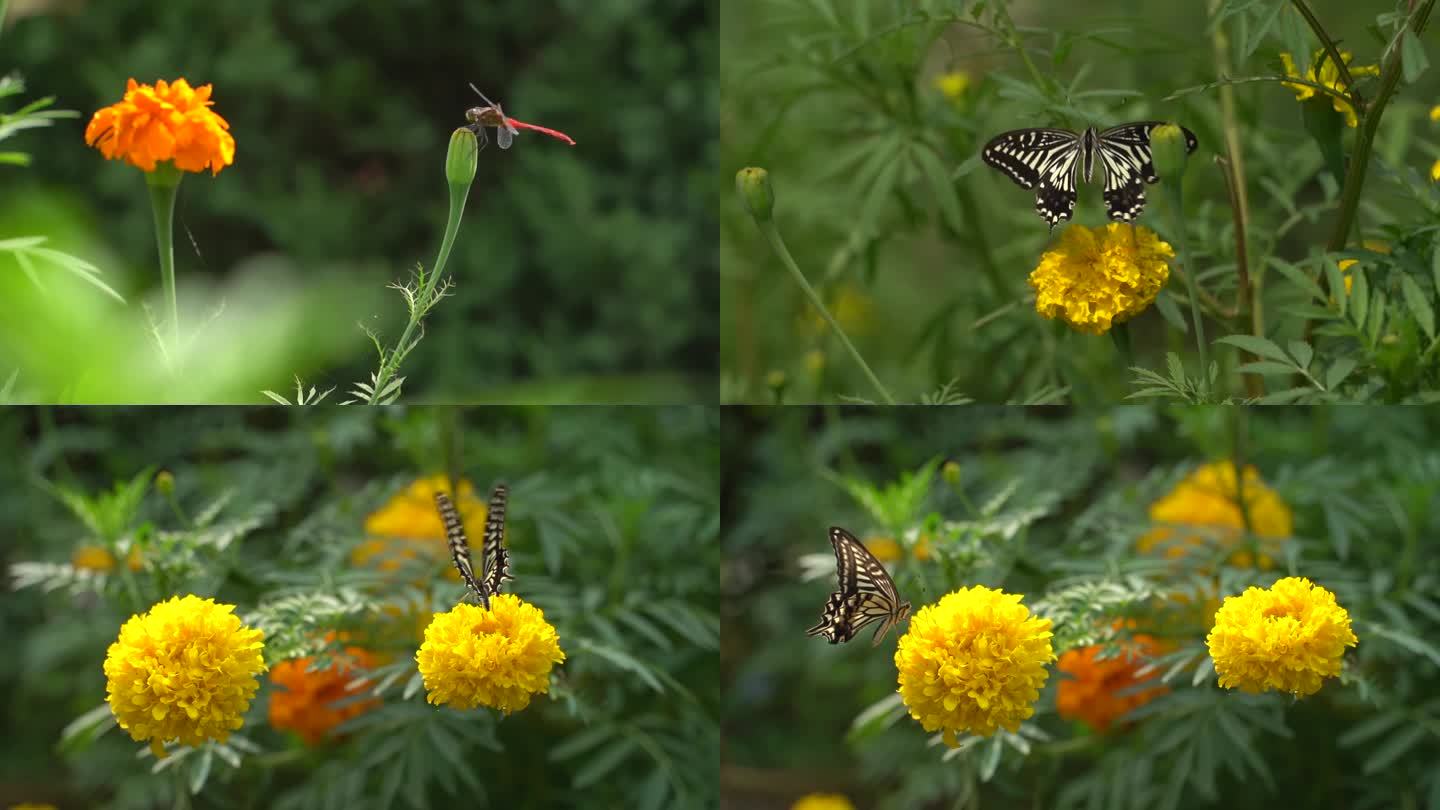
[(496, 560), (865, 593), (459, 544), (1042, 159), (1125, 157)]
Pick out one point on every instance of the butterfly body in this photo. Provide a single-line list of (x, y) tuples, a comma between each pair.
[(1052, 160), (494, 558), (865, 594)]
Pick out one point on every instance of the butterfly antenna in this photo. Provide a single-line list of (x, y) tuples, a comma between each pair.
[(480, 94)]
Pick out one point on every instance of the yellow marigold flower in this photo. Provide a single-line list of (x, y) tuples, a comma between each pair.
[(315, 701), (408, 525), (885, 549), (184, 670), (851, 307), (953, 84), (1208, 497), (1101, 690), (1288, 637), (497, 658), (1435, 113), (1435, 171), (1096, 278), (974, 661), (1330, 77), (822, 801), (168, 121), (99, 558)]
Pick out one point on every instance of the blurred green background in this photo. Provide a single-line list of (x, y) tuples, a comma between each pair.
[(612, 528), (922, 252), (581, 273), (1049, 503)]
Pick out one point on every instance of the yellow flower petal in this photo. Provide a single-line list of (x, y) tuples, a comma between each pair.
[(1288, 637), (1095, 278), (498, 658)]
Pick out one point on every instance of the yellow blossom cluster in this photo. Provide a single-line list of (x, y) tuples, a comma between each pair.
[(498, 658), (1095, 278), (1288, 637)]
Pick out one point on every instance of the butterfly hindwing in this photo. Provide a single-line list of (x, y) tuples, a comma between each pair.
[(865, 593), (1126, 159), (496, 559), (459, 545)]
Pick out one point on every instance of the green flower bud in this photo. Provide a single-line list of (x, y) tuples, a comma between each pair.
[(462, 158), (1168, 149), (754, 187), (951, 473), (165, 483)]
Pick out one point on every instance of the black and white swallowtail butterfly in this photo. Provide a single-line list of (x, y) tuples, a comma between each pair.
[(494, 559), (1051, 160), (865, 594)]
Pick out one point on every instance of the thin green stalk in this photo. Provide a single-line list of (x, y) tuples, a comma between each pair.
[(772, 235), (164, 186), (1365, 137), (1176, 199), (1333, 52)]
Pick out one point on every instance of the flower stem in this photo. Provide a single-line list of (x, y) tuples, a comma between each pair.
[(1176, 198), (772, 235), (1365, 136), (164, 186), (1331, 51)]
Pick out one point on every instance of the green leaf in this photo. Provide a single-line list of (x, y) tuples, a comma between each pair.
[(1338, 372), (1419, 307), (1257, 34), (1372, 727), (1302, 353), (606, 761), (201, 771), (940, 186), (1170, 311), (1359, 300), (583, 741), (1412, 56), (1336, 281), (1285, 397), (1266, 367), (624, 661), (1405, 640), (1257, 346), (1300, 279), (1395, 747), (1435, 263)]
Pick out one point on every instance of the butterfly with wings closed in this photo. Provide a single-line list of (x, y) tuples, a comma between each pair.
[(865, 594), (1051, 161), (494, 559)]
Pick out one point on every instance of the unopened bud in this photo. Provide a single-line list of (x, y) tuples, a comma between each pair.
[(754, 187), (462, 158), (1169, 150), (165, 483)]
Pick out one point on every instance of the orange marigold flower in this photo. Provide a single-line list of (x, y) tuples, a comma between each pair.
[(169, 121), (1099, 691), (315, 701)]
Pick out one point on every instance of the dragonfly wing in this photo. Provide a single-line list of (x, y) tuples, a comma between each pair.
[(504, 136)]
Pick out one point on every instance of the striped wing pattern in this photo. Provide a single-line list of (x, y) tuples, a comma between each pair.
[(1046, 160), (459, 545), (1042, 159), (496, 568), (865, 594)]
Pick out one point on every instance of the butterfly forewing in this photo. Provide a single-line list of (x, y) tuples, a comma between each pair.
[(865, 593), (1126, 159), (459, 545), (496, 558)]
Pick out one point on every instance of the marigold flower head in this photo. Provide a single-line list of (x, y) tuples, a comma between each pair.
[(1435, 172), (974, 661), (408, 525), (315, 701), (498, 658), (99, 558), (1330, 77), (1208, 497), (822, 801), (1101, 690), (186, 670), (167, 121), (953, 84), (887, 549), (1095, 278), (1288, 637)]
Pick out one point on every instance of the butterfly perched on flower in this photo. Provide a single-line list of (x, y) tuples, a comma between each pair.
[(1051, 160), (865, 593), (494, 559)]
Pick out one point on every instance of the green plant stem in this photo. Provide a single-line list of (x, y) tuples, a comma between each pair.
[(423, 301), (164, 188), (1176, 197), (772, 235), (1333, 52), (1365, 136)]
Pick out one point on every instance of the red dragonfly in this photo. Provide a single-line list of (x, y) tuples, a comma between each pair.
[(505, 127)]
